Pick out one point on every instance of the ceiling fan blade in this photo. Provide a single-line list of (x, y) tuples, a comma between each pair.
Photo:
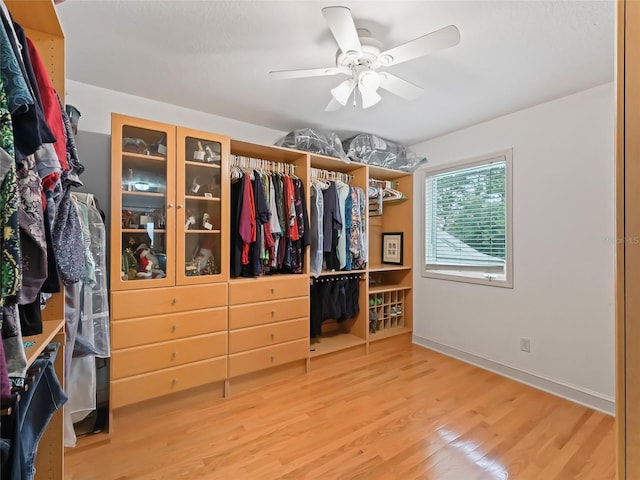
[(444, 38), (309, 72), (344, 30), (399, 86), (333, 105)]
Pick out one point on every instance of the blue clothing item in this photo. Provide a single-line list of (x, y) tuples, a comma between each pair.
[(18, 92), (31, 417)]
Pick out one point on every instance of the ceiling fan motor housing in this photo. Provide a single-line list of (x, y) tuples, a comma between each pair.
[(368, 60)]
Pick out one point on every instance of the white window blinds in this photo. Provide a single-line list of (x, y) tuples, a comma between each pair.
[(466, 219)]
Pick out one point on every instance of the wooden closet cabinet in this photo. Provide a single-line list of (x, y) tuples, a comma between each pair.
[(169, 259), (170, 185)]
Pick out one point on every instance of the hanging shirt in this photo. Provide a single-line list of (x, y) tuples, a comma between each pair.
[(247, 225), (316, 212), (341, 249)]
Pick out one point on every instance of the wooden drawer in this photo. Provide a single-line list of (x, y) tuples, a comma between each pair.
[(255, 337), (253, 314), (146, 330), (157, 301), (272, 288), (151, 385), (266, 357), (133, 361)]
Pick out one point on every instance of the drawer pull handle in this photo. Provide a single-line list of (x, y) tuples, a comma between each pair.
[(174, 355), (272, 313), (173, 382), (273, 336), (173, 329), (174, 301), (273, 290), (273, 358)]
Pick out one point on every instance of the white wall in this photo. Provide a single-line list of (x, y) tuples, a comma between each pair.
[(563, 216), (96, 105)]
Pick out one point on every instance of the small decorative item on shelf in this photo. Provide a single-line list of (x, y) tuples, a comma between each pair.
[(392, 248), (211, 156), (135, 145), (198, 155), (148, 264), (159, 218), (189, 221), (205, 222), (212, 189), (195, 185), (210, 268), (129, 265), (204, 259), (131, 180), (126, 218), (158, 148), (191, 269)]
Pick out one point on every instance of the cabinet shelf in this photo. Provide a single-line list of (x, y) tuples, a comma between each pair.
[(387, 288), (202, 231), (143, 156), (387, 268), (202, 199), (202, 164), (329, 343), (142, 230), (143, 194)]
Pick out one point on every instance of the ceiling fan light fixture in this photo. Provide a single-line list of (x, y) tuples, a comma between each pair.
[(343, 91), (368, 83), (369, 98)]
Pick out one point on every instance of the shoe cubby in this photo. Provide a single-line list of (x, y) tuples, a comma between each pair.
[(386, 310)]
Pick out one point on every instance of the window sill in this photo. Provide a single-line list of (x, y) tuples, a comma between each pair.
[(479, 278)]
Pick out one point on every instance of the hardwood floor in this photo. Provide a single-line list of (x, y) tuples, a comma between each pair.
[(402, 412)]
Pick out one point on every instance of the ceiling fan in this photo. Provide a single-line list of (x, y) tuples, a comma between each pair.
[(360, 56)]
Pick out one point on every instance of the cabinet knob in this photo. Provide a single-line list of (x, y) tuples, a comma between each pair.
[(273, 290), (272, 313), (179, 206), (173, 382), (170, 205), (174, 301), (273, 358), (174, 355), (173, 328), (273, 336)]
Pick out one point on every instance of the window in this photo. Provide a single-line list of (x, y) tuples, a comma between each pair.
[(468, 221)]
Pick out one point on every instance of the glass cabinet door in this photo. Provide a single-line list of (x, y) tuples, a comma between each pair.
[(143, 178), (201, 215)]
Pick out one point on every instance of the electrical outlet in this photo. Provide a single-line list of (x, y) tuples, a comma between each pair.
[(525, 345)]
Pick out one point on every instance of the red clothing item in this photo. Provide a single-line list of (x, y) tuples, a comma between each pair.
[(247, 226), (292, 218), (50, 105)]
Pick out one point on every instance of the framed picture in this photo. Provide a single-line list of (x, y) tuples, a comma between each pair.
[(392, 248)]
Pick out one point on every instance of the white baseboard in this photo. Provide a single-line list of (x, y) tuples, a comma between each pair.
[(570, 392)]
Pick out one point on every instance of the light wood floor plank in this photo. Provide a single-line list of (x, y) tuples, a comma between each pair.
[(401, 412)]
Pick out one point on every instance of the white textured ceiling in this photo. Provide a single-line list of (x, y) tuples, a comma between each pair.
[(215, 56)]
